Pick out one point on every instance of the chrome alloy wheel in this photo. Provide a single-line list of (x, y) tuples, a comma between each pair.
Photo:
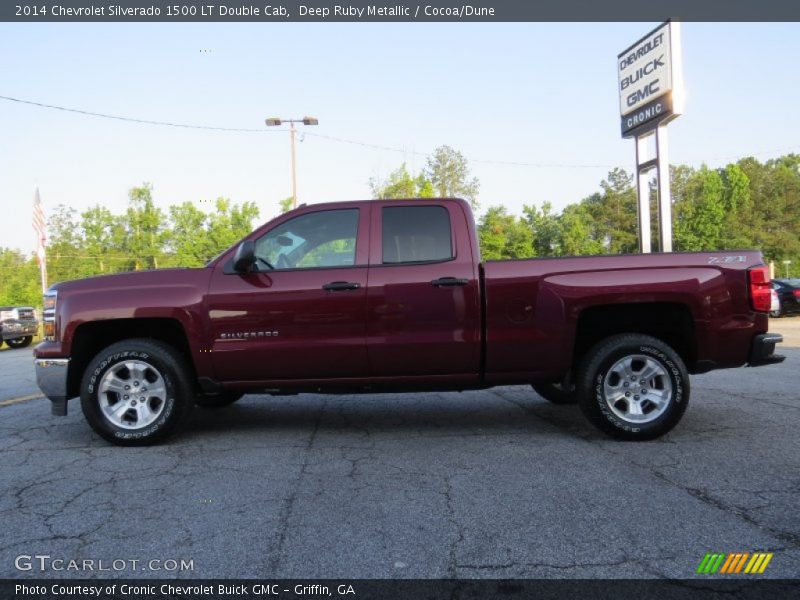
[(637, 389), (132, 394)]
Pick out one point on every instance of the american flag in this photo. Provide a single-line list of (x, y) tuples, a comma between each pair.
[(40, 227)]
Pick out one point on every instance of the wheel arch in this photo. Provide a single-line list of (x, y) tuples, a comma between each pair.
[(91, 337), (670, 322)]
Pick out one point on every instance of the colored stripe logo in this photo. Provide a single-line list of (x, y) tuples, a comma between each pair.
[(734, 562)]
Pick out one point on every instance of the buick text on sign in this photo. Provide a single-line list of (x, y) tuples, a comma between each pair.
[(645, 71)]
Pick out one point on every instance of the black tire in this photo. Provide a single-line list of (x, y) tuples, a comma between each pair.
[(22, 342), (606, 407), (218, 401), (556, 392), (172, 410)]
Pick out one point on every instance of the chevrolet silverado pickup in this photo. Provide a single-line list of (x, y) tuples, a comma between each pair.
[(392, 295)]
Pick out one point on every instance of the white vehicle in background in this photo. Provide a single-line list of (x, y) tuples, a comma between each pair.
[(18, 325)]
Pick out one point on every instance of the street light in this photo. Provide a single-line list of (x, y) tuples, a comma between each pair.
[(786, 263), (276, 122)]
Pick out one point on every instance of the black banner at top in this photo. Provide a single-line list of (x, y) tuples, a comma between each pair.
[(395, 11)]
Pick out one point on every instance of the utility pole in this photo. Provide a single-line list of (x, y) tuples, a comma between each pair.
[(276, 122)]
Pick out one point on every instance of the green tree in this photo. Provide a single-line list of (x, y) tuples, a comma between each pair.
[(545, 226), (401, 184), (699, 212), (228, 224), (503, 236), (577, 237), (145, 228), (448, 172), (196, 237), (19, 279), (614, 213), (100, 234), (286, 204), (738, 221), (188, 241), (64, 245)]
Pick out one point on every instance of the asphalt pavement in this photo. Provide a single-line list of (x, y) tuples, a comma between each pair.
[(495, 483)]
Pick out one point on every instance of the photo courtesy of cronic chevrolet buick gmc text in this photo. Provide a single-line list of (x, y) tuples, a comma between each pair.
[(392, 296)]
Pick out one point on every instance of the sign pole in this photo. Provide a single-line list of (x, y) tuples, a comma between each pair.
[(643, 195), (664, 194)]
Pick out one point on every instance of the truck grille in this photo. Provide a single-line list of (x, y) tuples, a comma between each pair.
[(26, 314)]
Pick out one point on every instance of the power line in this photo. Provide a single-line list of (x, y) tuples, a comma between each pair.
[(132, 119), (356, 142), (317, 135)]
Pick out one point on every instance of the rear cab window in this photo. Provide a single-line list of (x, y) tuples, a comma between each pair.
[(415, 234)]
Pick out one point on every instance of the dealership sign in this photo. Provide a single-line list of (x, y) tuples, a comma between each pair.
[(649, 80)]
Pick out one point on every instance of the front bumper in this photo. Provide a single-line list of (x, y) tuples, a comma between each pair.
[(762, 350), (12, 331), (51, 377)]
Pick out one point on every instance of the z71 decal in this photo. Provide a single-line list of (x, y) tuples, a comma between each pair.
[(724, 260)]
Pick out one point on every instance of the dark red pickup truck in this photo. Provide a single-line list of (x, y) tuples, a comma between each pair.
[(392, 295)]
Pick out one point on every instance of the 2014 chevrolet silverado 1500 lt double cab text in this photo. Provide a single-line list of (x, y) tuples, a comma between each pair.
[(392, 295)]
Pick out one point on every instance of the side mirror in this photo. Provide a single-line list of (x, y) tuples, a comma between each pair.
[(245, 257)]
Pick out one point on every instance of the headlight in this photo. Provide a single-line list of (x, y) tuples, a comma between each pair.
[(49, 315)]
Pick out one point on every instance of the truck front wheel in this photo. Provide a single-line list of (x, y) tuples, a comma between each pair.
[(22, 342), (137, 392), (633, 387)]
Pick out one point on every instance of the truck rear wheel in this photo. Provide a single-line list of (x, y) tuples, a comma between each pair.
[(633, 387), (137, 392), (20, 342)]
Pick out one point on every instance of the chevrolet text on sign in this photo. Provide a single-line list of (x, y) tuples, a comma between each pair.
[(648, 75)]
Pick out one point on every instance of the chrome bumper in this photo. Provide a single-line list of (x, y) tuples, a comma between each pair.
[(51, 377), (13, 331)]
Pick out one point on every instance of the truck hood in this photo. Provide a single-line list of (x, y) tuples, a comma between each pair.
[(137, 279)]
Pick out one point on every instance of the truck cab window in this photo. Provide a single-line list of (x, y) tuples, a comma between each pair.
[(313, 240), (413, 234)]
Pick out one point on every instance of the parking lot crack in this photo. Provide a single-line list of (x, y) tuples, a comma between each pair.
[(291, 499), (452, 569)]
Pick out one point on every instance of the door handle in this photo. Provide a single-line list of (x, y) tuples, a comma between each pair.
[(448, 282), (340, 286)]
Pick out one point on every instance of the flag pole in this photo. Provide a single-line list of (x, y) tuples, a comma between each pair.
[(39, 225)]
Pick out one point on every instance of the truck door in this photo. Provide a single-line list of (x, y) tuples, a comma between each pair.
[(423, 300), (302, 313)]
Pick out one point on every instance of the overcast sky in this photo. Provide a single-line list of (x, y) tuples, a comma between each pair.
[(539, 93)]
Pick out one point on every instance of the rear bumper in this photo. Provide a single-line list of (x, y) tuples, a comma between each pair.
[(762, 350), (51, 377)]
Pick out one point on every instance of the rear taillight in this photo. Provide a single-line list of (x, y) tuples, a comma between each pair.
[(760, 288), (796, 294)]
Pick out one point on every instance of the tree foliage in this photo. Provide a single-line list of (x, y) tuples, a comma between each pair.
[(98, 242), (503, 235), (401, 184), (448, 172)]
